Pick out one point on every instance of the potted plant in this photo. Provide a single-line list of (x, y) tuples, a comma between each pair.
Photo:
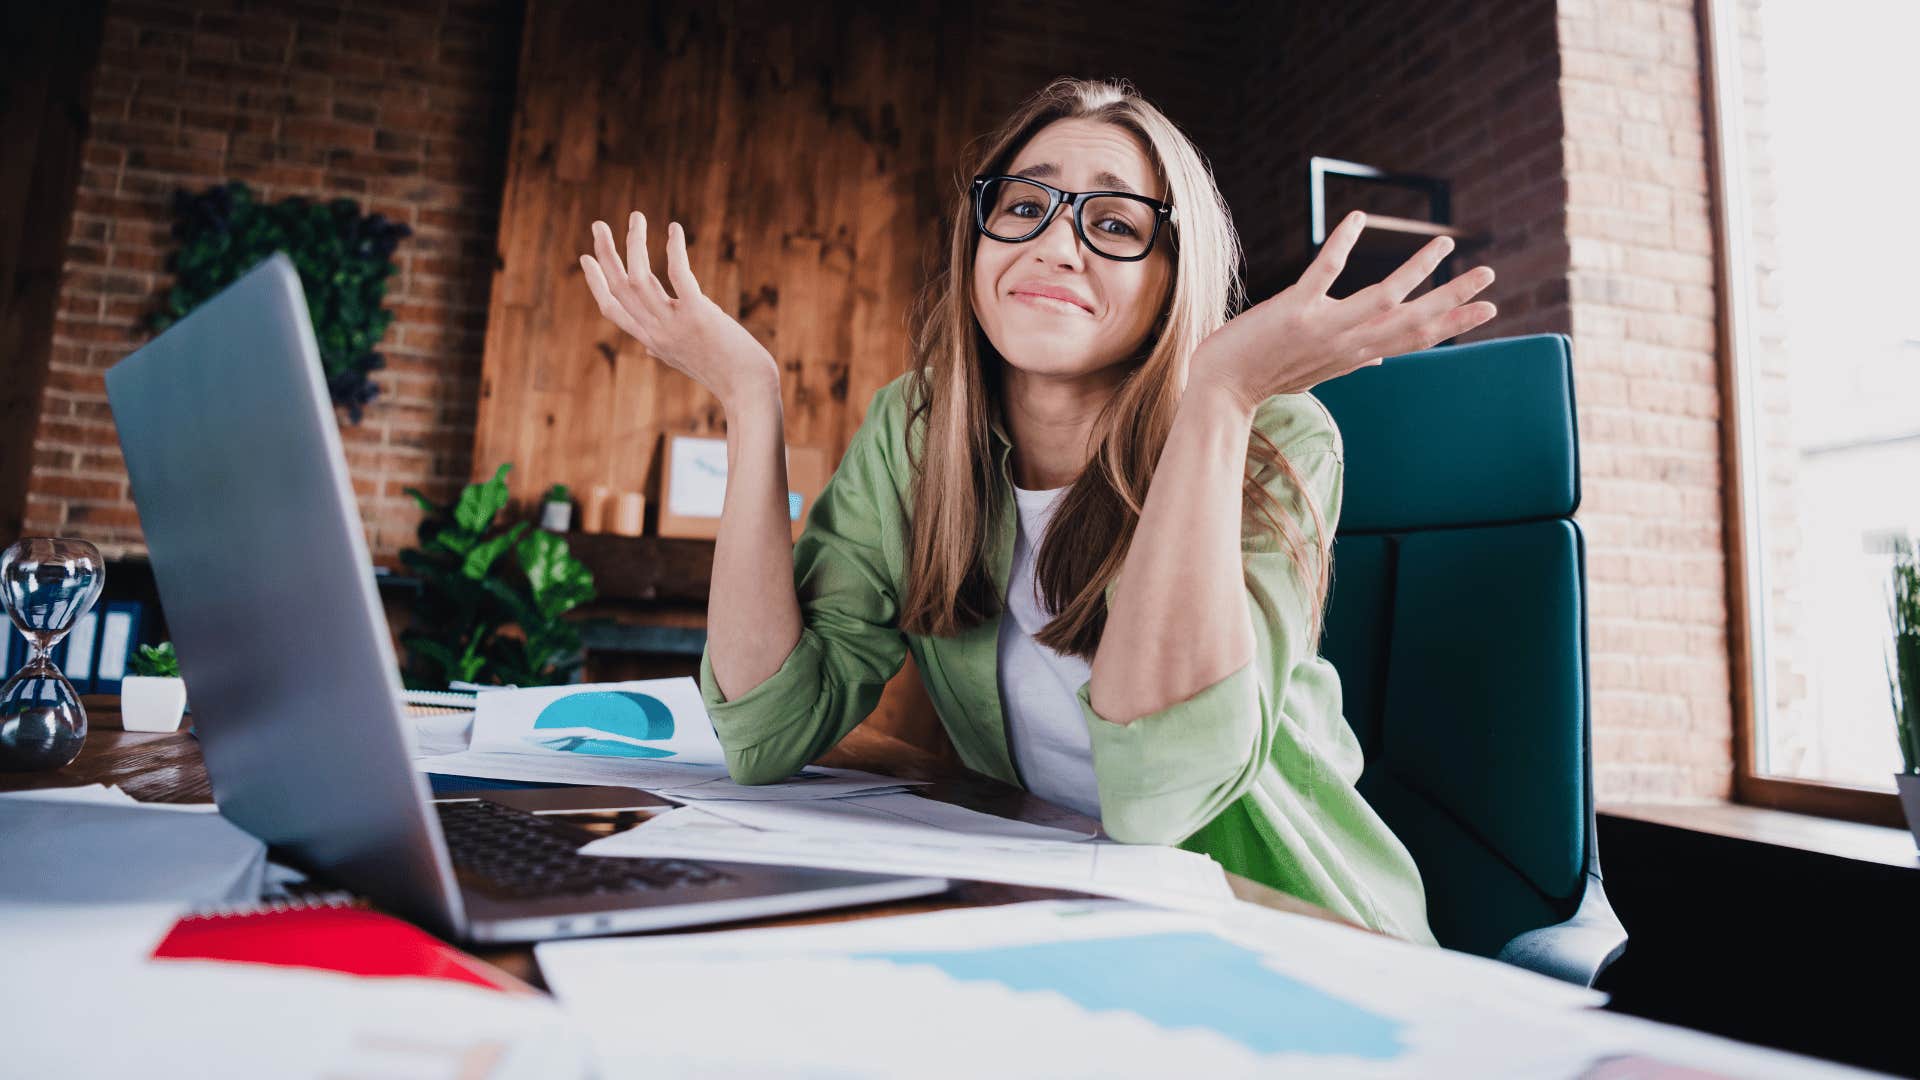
[(556, 510), (1903, 676), (155, 697), (494, 597)]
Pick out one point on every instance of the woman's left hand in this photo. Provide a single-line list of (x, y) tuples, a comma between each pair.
[(1302, 337)]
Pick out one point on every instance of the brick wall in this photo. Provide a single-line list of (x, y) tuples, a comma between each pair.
[(1641, 282), (1572, 132), (1460, 90), (402, 107)]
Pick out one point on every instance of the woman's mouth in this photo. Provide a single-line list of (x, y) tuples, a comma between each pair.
[(1051, 303)]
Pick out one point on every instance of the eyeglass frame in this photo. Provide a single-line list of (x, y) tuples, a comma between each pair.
[(1163, 213)]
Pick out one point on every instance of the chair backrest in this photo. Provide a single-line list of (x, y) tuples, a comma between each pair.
[(1458, 624)]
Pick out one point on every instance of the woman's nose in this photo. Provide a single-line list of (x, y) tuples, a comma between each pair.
[(1058, 242)]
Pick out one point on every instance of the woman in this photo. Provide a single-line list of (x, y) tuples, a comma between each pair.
[(1097, 510)]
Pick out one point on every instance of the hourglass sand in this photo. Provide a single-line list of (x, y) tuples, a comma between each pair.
[(47, 584)]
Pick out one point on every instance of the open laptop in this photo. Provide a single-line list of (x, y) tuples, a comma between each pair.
[(235, 458)]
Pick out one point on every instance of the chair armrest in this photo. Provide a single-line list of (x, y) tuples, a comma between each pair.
[(1577, 950)]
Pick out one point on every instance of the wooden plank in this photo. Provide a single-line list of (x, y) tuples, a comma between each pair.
[(51, 52)]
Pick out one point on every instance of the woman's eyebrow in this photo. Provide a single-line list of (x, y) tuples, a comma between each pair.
[(1047, 170)]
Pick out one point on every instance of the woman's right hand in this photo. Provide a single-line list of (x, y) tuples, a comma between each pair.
[(688, 331)]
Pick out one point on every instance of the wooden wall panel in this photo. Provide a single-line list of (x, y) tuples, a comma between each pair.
[(809, 152), (802, 156)]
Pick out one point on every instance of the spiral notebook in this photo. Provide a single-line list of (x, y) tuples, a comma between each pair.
[(328, 933)]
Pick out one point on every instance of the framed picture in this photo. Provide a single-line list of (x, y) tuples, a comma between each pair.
[(693, 485)]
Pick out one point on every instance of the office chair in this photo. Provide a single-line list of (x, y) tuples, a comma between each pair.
[(1458, 625)]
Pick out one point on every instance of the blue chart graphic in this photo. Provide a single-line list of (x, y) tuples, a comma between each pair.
[(1179, 980), (623, 713)]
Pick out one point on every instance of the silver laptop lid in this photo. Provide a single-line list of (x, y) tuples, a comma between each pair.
[(257, 547)]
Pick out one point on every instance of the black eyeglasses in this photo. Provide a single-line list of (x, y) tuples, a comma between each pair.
[(1118, 225)]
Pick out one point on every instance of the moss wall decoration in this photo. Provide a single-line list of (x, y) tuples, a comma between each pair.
[(344, 258)]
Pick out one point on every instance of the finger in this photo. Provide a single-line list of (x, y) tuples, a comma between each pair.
[(610, 306), (1326, 266), (678, 270), (609, 256), (1416, 270), (1445, 298), (1383, 296), (1427, 333), (639, 265)]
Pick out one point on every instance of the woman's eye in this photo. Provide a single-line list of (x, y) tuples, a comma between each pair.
[(1025, 205), (1125, 229)]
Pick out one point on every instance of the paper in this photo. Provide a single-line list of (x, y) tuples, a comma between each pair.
[(1088, 989), (441, 733), (101, 793), (883, 816), (652, 734), (206, 1019), (643, 719), (89, 848), (662, 778), (1161, 875)]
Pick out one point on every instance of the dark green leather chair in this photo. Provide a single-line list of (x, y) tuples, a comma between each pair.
[(1458, 624)]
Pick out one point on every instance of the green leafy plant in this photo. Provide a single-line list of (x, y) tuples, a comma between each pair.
[(558, 493), (157, 661), (1903, 659), (344, 258), (484, 618)]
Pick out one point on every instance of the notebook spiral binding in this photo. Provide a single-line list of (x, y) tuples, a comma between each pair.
[(337, 898)]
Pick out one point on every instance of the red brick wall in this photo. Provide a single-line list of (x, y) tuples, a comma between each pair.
[(402, 107), (1462, 90), (1642, 283), (1572, 131)]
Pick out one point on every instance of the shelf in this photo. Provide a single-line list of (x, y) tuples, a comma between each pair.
[(1779, 828), (647, 569)]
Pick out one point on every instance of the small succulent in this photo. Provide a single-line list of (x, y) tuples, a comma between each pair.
[(157, 661)]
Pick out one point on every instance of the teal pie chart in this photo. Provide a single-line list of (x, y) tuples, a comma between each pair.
[(620, 713)]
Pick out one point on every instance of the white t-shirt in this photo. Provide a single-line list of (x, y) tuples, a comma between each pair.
[(1038, 687)]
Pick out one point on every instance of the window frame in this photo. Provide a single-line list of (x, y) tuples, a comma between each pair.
[(1747, 596)]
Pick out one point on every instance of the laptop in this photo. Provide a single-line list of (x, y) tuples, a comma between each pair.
[(234, 454)]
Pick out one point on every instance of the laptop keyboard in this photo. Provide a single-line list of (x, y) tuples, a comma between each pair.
[(523, 856)]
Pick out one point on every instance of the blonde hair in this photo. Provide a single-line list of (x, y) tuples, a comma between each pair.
[(953, 390)]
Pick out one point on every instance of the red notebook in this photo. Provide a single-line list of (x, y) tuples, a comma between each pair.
[(352, 940)]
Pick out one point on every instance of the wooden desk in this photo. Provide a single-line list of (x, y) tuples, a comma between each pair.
[(168, 768)]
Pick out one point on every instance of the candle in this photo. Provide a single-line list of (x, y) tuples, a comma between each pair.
[(630, 513), (593, 513)]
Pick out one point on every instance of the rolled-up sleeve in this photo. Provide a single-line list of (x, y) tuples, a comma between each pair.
[(1165, 775), (850, 643)]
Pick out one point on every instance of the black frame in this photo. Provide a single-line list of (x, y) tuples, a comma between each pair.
[(1162, 214)]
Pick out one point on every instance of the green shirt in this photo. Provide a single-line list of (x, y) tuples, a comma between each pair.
[(1256, 770)]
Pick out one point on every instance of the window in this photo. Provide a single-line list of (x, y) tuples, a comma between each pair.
[(1814, 169)]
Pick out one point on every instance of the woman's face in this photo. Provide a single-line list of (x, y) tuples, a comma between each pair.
[(1117, 302)]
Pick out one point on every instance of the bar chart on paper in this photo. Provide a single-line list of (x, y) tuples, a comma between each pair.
[(1148, 979), (1092, 1000), (1101, 989)]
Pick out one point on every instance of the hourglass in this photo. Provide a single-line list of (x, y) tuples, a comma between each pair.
[(47, 583)]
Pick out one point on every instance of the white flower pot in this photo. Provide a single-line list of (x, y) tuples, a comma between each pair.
[(1910, 801), (152, 703)]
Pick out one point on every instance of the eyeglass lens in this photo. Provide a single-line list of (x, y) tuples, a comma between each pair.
[(1012, 211)]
